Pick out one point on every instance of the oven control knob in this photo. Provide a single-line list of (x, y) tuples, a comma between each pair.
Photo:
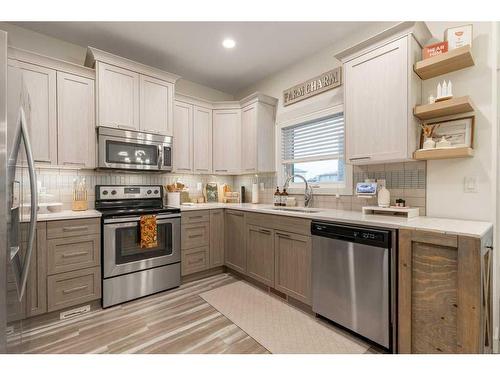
[(149, 191), (113, 192), (104, 192), (156, 191)]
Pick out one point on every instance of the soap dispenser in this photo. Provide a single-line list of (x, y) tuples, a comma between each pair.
[(384, 196)]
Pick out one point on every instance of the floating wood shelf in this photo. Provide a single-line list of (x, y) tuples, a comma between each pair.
[(448, 62), (453, 106), (443, 153)]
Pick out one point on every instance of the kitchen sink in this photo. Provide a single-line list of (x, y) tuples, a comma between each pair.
[(295, 209)]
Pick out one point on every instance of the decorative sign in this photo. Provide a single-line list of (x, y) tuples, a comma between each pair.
[(314, 86), (434, 49), (459, 36)]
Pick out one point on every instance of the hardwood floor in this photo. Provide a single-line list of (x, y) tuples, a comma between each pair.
[(177, 321)]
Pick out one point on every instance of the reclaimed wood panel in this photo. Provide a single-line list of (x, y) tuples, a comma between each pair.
[(443, 298), (434, 299)]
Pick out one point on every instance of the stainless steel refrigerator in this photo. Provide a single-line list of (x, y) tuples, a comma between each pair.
[(18, 203)]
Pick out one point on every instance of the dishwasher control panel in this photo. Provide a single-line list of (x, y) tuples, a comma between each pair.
[(369, 236)]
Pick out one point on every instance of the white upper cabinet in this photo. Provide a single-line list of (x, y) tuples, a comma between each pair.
[(226, 148), (131, 95), (202, 139), (156, 105), (40, 85), (232, 137), (76, 137), (258, 134), (117, 97), (380, 90), (183, 138), (249, 139)]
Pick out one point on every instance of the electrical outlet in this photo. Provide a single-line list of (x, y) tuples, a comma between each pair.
[(261, 186), (199, 186), (470, 184)]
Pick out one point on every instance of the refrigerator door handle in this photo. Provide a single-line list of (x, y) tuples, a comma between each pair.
[(21, 267)]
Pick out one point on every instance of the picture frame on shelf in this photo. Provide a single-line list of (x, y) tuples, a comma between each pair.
[(212, 192), (459, 36), (459, 132)]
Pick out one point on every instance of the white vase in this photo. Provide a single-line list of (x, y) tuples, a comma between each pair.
[(428, 143)]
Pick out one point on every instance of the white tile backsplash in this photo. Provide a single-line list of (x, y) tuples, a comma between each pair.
[(59, 182), (404, 180)]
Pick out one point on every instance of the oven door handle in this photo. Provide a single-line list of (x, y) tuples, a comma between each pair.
[(137, 218), (130, 224)]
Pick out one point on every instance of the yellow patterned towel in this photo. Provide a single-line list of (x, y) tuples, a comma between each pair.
[(148, 232)]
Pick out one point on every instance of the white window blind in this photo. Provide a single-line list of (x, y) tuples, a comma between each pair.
[(317, 140)]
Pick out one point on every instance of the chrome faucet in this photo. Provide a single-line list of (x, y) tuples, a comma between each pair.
[(308, 192)]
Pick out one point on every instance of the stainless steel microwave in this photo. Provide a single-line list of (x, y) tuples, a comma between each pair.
[(134, 150)]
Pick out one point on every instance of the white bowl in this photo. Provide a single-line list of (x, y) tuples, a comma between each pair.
[(54, 207)]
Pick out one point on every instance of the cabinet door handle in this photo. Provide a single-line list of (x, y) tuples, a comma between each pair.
[(72, 290), (361, 158), (235, 213), (249, 169), (195, 235), (74, 229), (72, 163), (70, 255), (195, 217), (283, 235), (265, 231), (221, 170)]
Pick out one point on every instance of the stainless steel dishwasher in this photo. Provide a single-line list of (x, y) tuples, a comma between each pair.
[(353, 279)]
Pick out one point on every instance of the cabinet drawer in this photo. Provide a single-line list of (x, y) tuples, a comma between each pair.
[(195, 217), (293, 224), (70, 228), (262, 220), (195, 235), (72, 288), (194, 260), (73, 253), (280, 222)]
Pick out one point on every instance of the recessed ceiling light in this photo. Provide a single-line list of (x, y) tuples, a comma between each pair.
[(228, 43)]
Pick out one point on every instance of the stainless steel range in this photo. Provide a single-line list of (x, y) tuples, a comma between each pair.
[(130, 271)]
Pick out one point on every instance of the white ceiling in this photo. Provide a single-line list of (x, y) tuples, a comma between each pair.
[(194, 51)]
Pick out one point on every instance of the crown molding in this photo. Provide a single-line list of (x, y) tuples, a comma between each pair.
[(418, 29), (49, 62), (95, 54)]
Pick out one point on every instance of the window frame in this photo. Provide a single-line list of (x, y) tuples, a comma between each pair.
[(328, 188)]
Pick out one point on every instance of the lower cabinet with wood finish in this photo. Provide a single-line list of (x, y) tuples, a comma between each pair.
[(34, 301), (260, 254), (277, 257), (235, 249), (72, 288), (444, 293), (216, 238), (64, 269), (194, 260), (293, 265)]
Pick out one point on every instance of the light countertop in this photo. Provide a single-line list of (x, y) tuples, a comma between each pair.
[(65, 215), (449, 226)]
